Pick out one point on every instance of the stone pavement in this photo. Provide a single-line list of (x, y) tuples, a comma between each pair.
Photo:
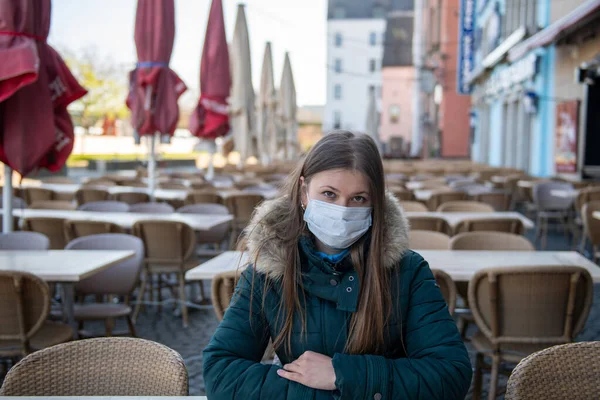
[(167, 328)]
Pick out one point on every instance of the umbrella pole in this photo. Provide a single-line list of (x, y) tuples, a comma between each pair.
[(152, 166), (7, 219), (210, 174)]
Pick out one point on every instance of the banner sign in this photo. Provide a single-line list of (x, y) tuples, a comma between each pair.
[(466, 48), (567, 130)]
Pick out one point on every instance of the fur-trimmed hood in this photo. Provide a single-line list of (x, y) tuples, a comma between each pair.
[(272, 257)]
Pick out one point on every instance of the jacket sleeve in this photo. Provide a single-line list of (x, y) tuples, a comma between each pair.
[(232, 367), (437, 364)]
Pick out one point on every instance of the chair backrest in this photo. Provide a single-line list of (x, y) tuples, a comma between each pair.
[(24, 241), (248, 183), (544, 200), (132, 197), (53, 205), (91, 195), (76, 229), (100, 182), (498, 201), (242, 206), (535, 305), (403, 195), (25, 300), (413, 206), (465, 206), (133, 183), (52, 228), (59, 180), (428, 240), (568, 371), (203, 196), (439, 198), (99, 367), (173, 186), (105, 206), (121, 278), (166, 241), (209, 209), (499, 241), (447, 287), (427, 223), (32, 195), (508, 225), (223, 286), (201, 185), (591, 224), (152, 208)]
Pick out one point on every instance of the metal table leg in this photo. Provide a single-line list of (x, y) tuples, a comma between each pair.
[(68, 292)]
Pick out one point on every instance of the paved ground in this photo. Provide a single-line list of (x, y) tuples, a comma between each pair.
[(166, 328)]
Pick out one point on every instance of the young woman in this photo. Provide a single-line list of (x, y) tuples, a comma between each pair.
[(352, 313)]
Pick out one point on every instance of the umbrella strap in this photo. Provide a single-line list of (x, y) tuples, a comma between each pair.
[(150, 64), (24, 34)]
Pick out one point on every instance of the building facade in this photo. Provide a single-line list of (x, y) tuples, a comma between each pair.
[(355, 44)]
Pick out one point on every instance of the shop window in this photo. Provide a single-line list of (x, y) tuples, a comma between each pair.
[(394, 114), (337, 92), (338, 65), (339, 13), (373, 39), (338, 40), (337, 120), (372, 65)]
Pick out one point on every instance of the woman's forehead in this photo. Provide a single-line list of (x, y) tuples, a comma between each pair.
[(342, 179)]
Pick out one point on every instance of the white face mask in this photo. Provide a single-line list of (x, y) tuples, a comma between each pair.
[(336, 226)]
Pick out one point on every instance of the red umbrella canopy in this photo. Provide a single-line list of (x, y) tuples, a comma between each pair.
[(35, 127), (154, 88), (210, 118)]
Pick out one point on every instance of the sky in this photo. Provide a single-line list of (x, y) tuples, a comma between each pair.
[(290, 25)]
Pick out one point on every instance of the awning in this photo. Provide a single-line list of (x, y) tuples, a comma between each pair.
[(557, 30)]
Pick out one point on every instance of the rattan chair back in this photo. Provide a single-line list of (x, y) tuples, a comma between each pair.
[(447, 287), (99, 367), (166, 242), (508, 225), (223, 286), (444, 196), (493, 241), (465, 206), (53, 205), (132, 197), (428, 240), (413, 206), (52, 228), (497, 200), (32, 195), (76, 229), (427, 223), (242, 206), (91, 195), (203, 196)]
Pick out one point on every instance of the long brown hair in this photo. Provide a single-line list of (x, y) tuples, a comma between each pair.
[(339, 150)]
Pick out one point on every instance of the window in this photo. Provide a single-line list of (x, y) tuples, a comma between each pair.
[(339, 13), (394, 114), (338, 65), (373, 39), (378, 12), (337, 120), (337, 92), (371, 90), (338, 40), (372, 65)]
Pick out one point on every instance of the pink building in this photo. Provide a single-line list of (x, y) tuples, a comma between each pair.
[(398, 80)]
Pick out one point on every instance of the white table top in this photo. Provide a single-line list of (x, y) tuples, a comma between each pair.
[(460, 265), (527, 184), (454, 219), (499, 179), (127, 220), (61, 265)]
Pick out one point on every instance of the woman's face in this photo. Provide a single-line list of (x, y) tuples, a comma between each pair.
[(343, 187)]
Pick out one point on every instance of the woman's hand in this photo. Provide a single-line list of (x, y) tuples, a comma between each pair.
[(311, 369)]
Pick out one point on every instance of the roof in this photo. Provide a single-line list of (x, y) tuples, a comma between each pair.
[(365, 9), (559, 29), (398, 40)]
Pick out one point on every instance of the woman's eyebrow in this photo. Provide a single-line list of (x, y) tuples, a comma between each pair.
[(329, 187)]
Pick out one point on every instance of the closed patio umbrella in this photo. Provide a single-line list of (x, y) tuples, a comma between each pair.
[(242, 92), (210, 119), (154, 87), (288, 109), (36, 87), (266, 113)]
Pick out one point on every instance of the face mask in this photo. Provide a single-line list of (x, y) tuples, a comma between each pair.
[(336, 226)]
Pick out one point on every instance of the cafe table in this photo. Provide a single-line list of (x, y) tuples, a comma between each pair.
[(64, 267), (460, 265), (455, 218)]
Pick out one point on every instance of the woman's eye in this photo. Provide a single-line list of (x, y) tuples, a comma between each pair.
[(359, 199), (328, 194)]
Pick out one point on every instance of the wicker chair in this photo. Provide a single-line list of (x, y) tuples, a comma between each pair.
[(568, 371), (465, 206), (24, 241), (402, 194), (523, 310), (173, 185), (119, 280), (91, 195), (428, 240), (203, 196), (132, 197), (134, 184), (508, 225), (76, 229), (498, 201), (591, 227), (53, 228), (215, 236), (447, 287), (32, 195), (25, 300), (152, 208), (551, 207), (498, 241), (169, 250), (53, 205), (100, 182), (427, 223), (105, 206), (100, 367), (413, 206), (242, 206), (439, 198), (60, 180), (223, 286)]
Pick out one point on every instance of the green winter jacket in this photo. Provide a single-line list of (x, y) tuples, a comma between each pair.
[(425, 357)]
